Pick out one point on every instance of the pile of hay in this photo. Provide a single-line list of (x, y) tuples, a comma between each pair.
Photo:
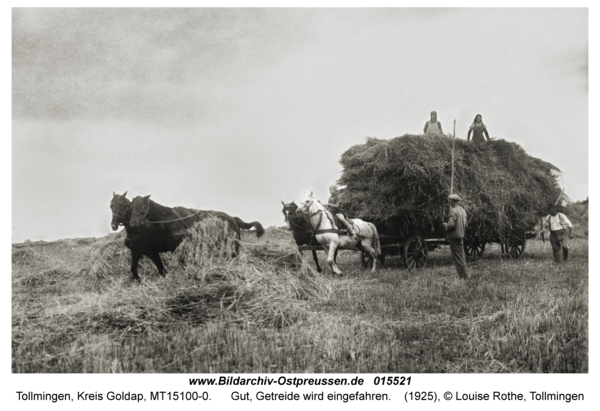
[(404, 184), (208, 242), (28, 256), (112, 259), (251, 293), (265, 284), (213, 276)]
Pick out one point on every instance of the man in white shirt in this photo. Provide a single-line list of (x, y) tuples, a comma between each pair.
[(558, 223)]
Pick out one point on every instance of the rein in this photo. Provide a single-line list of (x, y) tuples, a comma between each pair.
[(316, 230), (121, 218), (171, 221)]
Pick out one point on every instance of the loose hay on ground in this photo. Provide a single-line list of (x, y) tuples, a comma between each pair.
[(260, 286), (263, 285), (250, 292), (51, 276), (28, 256), (113, 259)]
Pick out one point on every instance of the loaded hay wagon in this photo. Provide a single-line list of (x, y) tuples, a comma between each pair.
[(402, 186)]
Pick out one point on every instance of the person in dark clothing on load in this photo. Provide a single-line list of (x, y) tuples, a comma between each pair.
[(478, 129)]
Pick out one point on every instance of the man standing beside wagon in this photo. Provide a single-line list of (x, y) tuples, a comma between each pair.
[(558, 224), (455, 233)]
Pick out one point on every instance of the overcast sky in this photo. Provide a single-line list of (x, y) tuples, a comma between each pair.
[(238, 109)]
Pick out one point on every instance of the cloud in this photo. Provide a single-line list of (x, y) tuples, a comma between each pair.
[(237, 109), (144, 64)]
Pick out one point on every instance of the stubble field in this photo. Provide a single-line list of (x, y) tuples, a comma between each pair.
[(73, 312)]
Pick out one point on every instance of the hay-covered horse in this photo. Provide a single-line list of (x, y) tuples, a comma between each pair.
[(332, 239), (153, 229)]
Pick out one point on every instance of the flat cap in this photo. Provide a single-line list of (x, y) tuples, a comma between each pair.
[(453, 197)]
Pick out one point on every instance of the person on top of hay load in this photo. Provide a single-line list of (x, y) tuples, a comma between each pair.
[(433, 127), (455, 232), (334, 205), (558, 223), (478, 129)]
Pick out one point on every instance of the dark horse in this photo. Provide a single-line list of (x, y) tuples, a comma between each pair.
[(153, 229), (301, 230)]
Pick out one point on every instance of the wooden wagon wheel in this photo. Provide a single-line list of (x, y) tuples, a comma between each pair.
[(367, 260), (474, 247), (515, 246), (415, 252)]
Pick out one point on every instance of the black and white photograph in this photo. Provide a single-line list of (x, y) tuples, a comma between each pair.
[(286, 201)]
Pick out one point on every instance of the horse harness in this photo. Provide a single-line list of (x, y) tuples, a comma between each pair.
[(291, 223), (171, 221), (121, 218), (316, 230)]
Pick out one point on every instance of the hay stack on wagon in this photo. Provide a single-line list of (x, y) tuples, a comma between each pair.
[(403, 184)]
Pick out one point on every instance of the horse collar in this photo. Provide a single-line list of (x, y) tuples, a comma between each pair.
[(308, 215), (315, 213)]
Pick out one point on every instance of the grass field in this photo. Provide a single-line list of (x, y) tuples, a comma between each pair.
[(256, 315)]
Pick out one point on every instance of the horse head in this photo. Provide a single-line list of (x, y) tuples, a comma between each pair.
[(309, 205), (121, 210), (139, 210), (289, 210)]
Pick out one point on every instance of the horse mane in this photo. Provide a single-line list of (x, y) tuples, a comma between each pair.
[(158, 213), (159, 209), (321, 207), (178, 218)]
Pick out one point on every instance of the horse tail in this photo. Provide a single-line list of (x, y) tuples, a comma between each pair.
[(376, 244), (246, 226)]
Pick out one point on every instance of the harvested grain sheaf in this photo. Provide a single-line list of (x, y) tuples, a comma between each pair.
[(208, 242), (404, 182)]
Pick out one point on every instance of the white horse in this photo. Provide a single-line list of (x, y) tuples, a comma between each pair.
[(331, 238)]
